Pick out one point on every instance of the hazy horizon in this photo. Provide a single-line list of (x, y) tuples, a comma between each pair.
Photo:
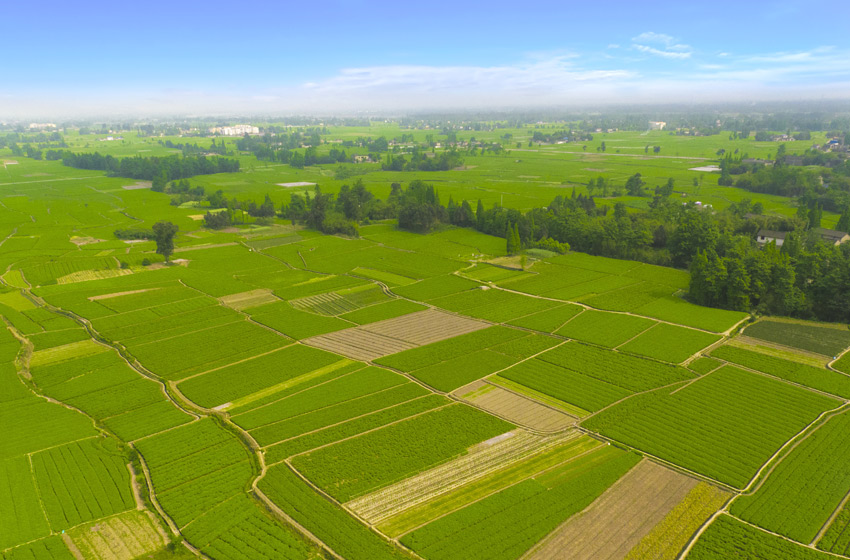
[(205, 59)]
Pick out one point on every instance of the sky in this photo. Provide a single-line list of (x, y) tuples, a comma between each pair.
[(90, 58)]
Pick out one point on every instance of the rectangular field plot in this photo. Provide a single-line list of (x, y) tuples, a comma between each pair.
[(480, 462), (358, 425), (247, 300), (724, 425), (491, 304), (382, 311), (122, 537), (516, 408), (681, 312), (82, 481), (620, 517), (503, 526), (671, 535), (383, 338), (670, 343), (343, 301), (451, 348), (803, 491), (340, 399), (564, 384), (67, 352), (826, 340), (181, 356), (591, 378), (727, 537), (245, 378), (364, 464), (296, 324), (23, 518), (438, 286), (549, 320), (817, 378), (604, 329)]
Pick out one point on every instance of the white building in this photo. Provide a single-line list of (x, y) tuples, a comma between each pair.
[(657, 125), (235, 130)]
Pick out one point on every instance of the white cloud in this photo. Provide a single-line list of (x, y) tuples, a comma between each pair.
[(652, 37), (668, 47), (665, 54)]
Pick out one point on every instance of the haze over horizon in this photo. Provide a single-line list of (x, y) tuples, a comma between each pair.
[(348, 55)]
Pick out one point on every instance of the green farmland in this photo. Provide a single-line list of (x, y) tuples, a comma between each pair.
[(268, 390)]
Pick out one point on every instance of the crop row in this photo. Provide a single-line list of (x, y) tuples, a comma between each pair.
[(628, 298), (182, 356), (727, 537), (629, 372), (239, 380), (817, 378), (549, 320), (331, 434), (724, 425), (669, 537), (417, 358), (376, 459), (19, 504), (335, 527), (81, 481), (295, 323), (604, 329), (822, 340), (565, 384), (808, 485), (505, 525), (344, 388), (334, 414), (670, 343)]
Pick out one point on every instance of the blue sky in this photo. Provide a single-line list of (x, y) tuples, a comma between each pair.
[(64, 58)]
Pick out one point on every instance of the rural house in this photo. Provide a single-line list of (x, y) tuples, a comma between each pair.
[(833, 237), (766, 236)]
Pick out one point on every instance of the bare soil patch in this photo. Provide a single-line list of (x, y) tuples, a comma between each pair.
[(359, 344), (516, 408), (246, 300), (616, 521), (370, 342), (138, 186), (207, 246), (425, 327), (296, 184), (119, 294), (80, 241)]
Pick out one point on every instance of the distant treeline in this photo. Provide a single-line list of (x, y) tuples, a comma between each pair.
[(806, 277), (168, 168)]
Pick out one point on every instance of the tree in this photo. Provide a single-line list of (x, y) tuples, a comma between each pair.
[(164, 233), (844, 220), (634, 184)]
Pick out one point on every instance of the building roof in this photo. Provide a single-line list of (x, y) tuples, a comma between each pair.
[(831, 234), (772, 234)]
